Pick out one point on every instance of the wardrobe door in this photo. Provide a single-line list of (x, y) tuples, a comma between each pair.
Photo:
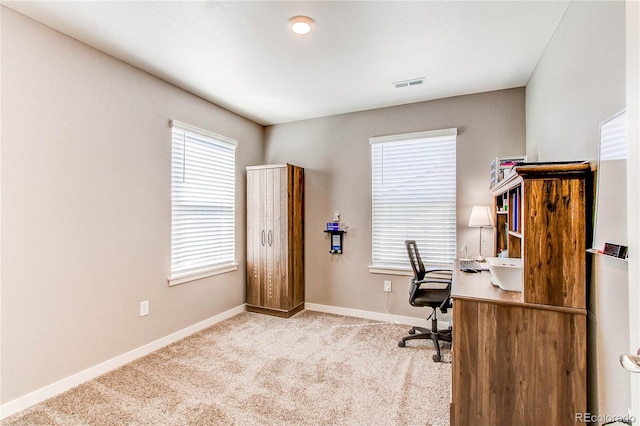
[(256, 236), (278, 241)]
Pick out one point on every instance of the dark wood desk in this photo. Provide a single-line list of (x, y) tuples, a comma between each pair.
[(515, 363), (478, 287)]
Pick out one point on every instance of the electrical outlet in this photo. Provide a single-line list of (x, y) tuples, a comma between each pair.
[(387, 286), (144, 308)]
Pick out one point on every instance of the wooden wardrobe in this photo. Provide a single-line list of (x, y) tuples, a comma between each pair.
[(275, 239)]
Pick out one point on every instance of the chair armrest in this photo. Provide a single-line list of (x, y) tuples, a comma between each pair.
[(444, 306), (433, 283), (439, 272)]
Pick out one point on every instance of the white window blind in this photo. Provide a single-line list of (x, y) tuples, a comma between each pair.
[(613, 138), (413, 198), (202, 202)]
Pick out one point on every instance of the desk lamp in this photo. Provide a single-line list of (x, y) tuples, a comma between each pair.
[(480, 217)]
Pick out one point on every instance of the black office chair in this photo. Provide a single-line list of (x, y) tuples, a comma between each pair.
[(421, 295)]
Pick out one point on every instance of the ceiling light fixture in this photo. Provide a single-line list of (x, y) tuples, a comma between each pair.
[(301, 24)]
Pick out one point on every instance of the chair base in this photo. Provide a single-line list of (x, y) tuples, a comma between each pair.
[(435, 335)]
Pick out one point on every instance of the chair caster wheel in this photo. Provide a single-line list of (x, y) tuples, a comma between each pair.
[(436, 358), (401, 343), (412, 331)]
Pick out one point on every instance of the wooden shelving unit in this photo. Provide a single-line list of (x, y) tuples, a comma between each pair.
[(548, 217), (513, 352)]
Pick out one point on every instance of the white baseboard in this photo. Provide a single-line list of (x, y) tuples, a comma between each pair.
[(67, 383), (378, 316)]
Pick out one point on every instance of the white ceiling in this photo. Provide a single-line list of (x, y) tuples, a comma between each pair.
[(242, 56)]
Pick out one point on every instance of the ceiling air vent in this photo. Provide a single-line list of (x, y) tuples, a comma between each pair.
[(407, 83)]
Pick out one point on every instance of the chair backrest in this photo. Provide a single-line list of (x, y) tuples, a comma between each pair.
[(414, 258), (419, 273)]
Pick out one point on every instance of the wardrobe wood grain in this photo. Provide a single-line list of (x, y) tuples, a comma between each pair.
[(275, 239)]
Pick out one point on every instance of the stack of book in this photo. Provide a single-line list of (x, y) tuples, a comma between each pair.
[(333, 226), (501, 168)]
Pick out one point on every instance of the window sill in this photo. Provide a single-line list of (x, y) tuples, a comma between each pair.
[(202, 273), (388, 270)]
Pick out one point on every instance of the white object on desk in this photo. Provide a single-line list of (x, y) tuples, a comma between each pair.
[(506, 272), (481, 217), (464, 248), (473, 264)]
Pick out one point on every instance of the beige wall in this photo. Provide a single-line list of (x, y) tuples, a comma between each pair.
[(336, 155), (86, 210), (580, 82)]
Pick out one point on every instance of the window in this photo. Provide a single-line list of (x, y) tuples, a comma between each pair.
[(202, 203), (413, 197)]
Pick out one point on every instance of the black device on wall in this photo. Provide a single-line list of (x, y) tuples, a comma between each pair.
[(336, 240), (615, 250), (336, 233)]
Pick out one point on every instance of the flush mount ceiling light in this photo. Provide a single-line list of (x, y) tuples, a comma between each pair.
[(301, 24)]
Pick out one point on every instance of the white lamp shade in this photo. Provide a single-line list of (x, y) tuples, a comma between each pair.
[(480, 216)]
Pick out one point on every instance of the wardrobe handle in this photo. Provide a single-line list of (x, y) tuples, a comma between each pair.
[(262, 237), (270, 238)]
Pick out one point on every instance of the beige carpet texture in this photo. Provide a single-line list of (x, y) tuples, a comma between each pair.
[(252, 369)]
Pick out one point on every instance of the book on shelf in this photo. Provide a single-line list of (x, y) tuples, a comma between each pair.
[(516, 211), (502, 203), (501, 168)]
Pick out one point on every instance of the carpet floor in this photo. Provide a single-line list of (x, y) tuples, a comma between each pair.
[(252, 369)]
